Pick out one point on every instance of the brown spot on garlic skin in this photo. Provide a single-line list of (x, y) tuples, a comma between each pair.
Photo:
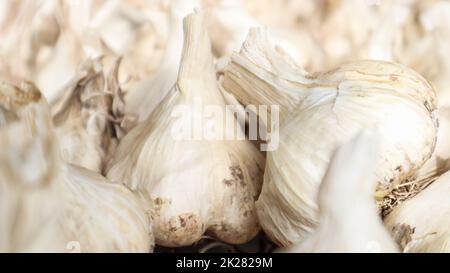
[(228, 182), (393, 78), (402, 234), (183, 229), (237, 177), (12, 97)]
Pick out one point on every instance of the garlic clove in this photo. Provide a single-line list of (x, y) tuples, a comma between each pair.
[(319, 110), (349, 219), (196, 185)]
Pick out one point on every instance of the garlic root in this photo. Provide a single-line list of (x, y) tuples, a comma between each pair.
[(427, 215)]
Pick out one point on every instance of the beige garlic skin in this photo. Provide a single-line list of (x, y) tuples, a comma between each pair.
[(349, 218), (45, 41), (39, 46), (87, 115), (230, 20), (82, 211), (136, 30), (191, 186), (146, 94), (320, 110), (101, 216), (428, 215), (29, 195)]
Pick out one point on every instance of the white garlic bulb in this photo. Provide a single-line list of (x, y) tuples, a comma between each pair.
[(90, 213), (318, 111), (192, 185), (426, 218), (348, 216)]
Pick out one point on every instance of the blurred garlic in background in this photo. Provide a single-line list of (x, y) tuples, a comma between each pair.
[(77, 204), (29, 194), (84, 118)]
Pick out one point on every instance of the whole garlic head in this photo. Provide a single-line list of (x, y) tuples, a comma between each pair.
[(191, 185), (320, 110)]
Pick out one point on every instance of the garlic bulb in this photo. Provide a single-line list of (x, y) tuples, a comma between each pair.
[(85, 117), (39, 46), (195, 184), (320, 110), (135, 30), (90, 213), (348, 216), (426, 217)]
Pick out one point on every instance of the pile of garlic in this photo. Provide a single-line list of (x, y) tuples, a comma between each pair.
[(99, 124)]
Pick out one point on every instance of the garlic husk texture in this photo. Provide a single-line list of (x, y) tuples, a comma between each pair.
[(145, 95), (45, 41), (88, 115), (319, 110), (29, 195), (426, 217), (230, 20), (101, 216), (193, 186), (349, 218), (87, 211)]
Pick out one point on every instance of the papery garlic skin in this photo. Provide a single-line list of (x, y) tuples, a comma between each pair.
[(439, 162), (194, 186), (320, 110), (84, 115), (29, 194), (145, 95), (349, 219), (229, 22), (428, 214), (101, 216)]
